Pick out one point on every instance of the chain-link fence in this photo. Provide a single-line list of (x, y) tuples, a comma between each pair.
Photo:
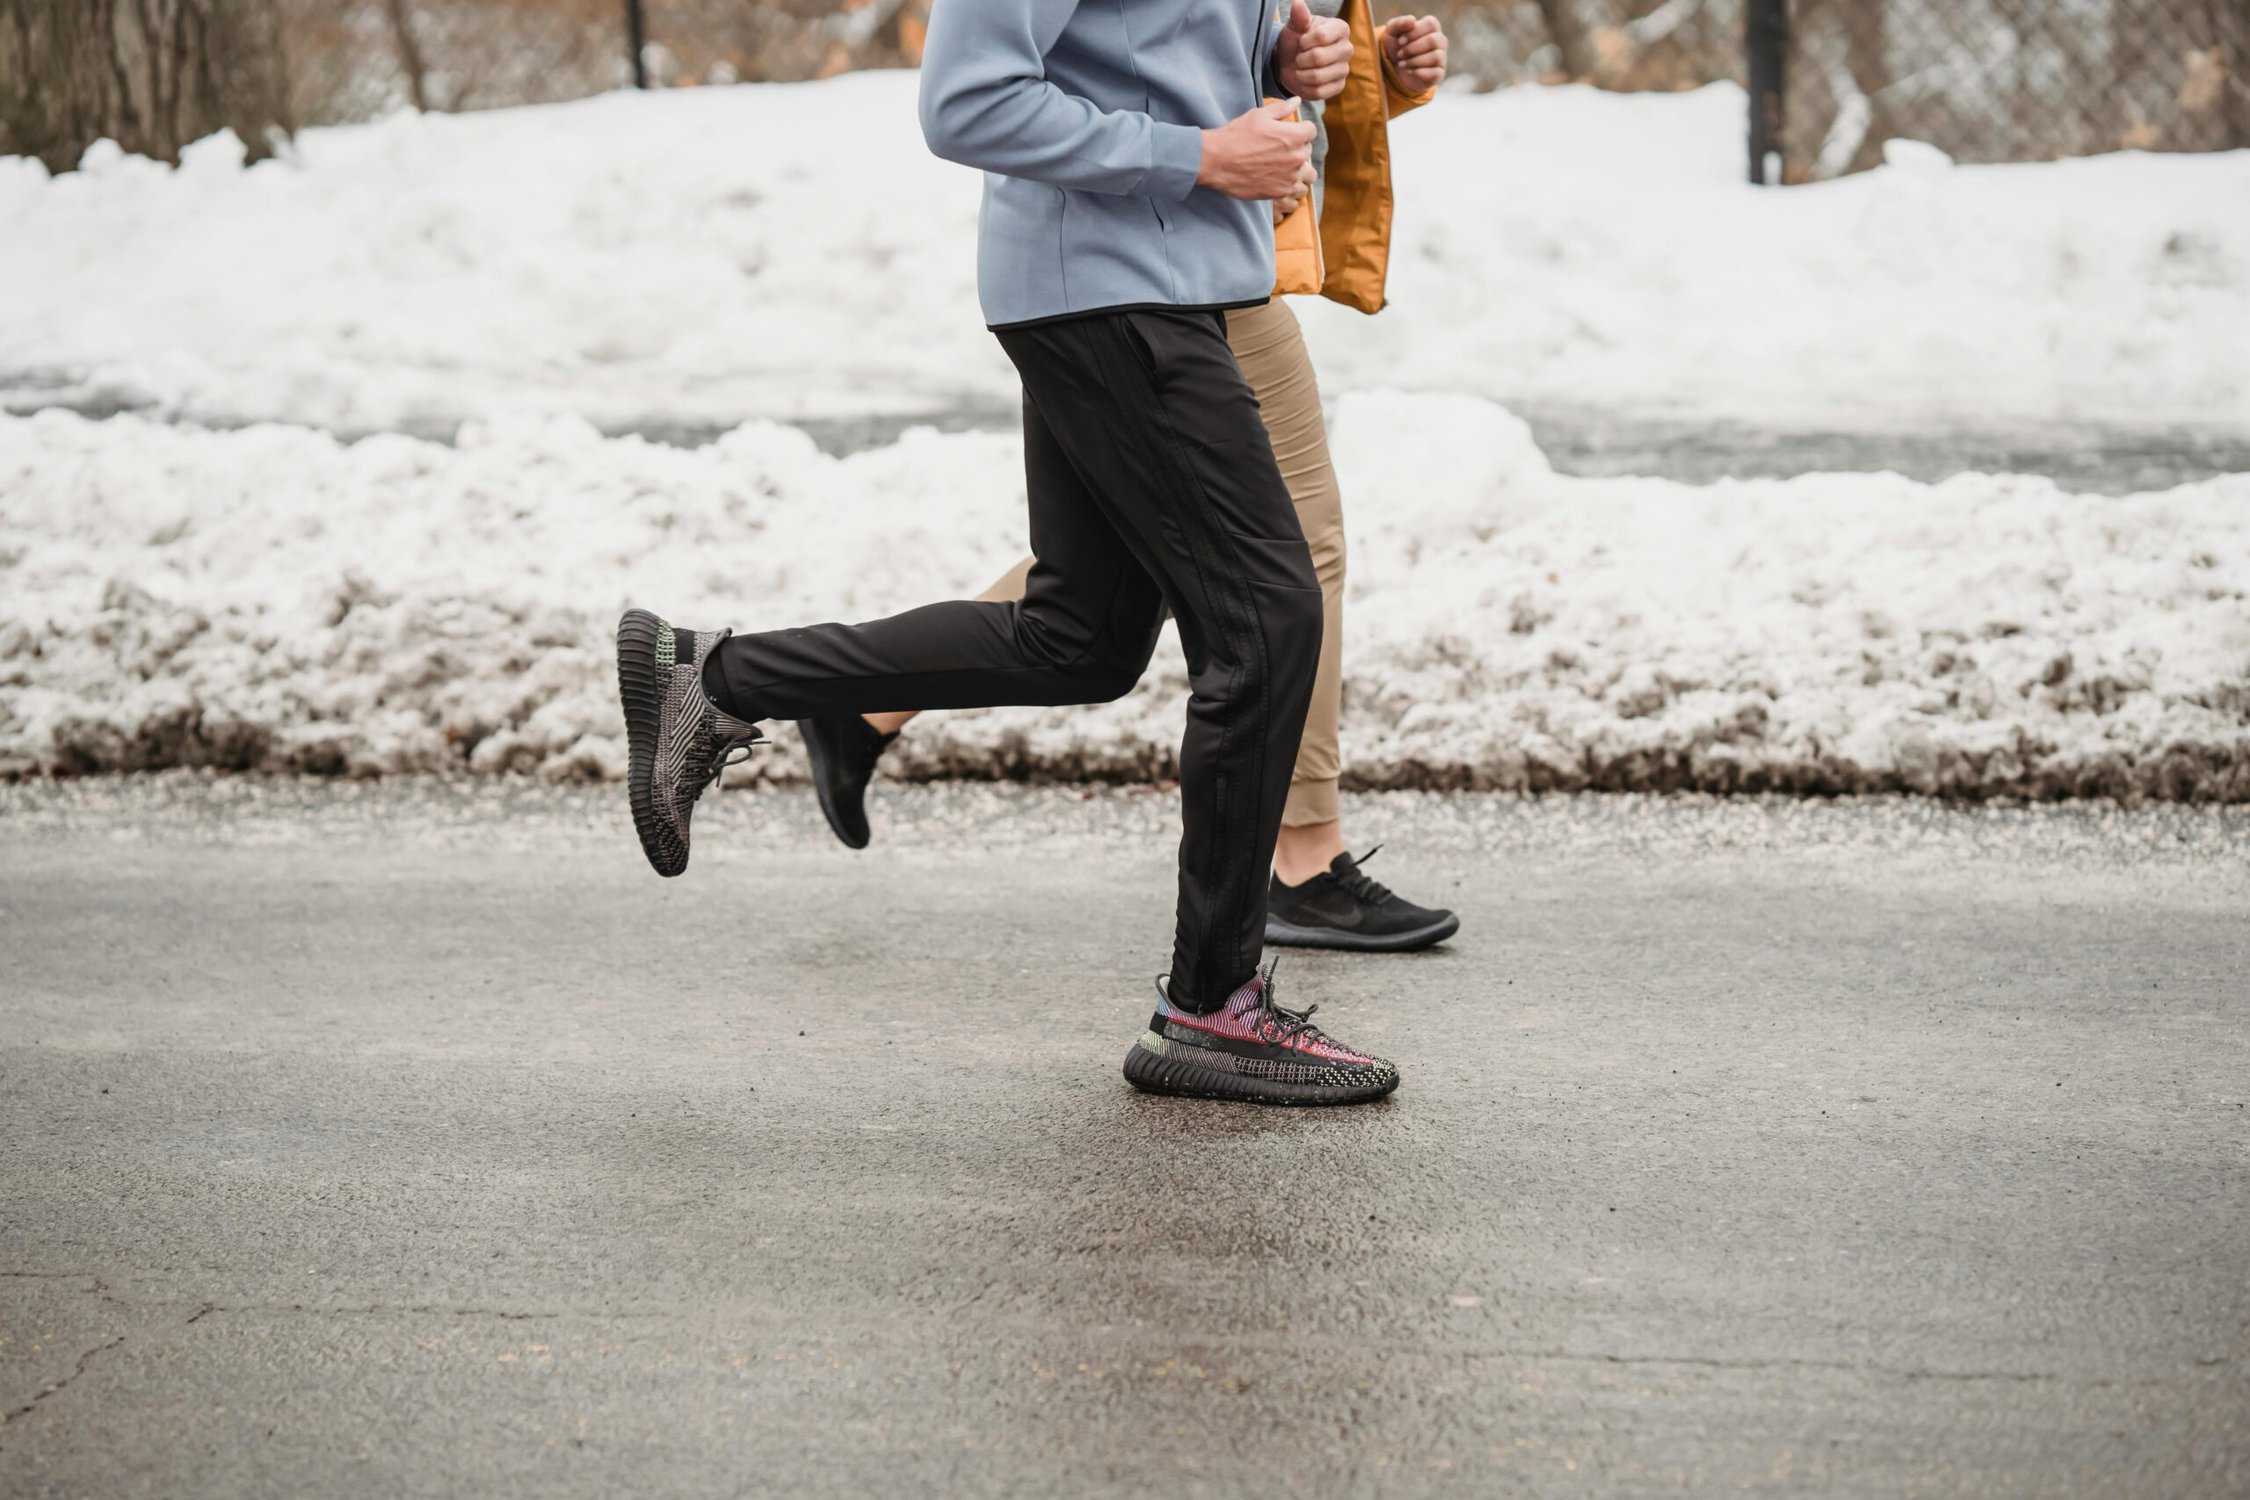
[(1832, 80), (1614, 44), (1984, 80), (361, 58), (2010, 80)]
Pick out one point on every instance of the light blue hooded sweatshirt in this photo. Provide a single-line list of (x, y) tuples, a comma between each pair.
[(1087, 119)]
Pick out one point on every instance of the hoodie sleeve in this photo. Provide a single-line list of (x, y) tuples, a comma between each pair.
[(986, 103)]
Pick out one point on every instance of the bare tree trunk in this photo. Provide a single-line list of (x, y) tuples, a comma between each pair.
[(178, 70), (409, 52), (2230, 33), (106, 37), (1568, 34), (1867, 57), (152, 67), (150, 76)]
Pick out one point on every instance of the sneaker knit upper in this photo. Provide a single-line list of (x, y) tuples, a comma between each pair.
[(1248, 1017)]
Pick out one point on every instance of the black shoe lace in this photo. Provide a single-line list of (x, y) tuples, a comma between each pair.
[(1373, 892), (1278, 1025), (725, 757)]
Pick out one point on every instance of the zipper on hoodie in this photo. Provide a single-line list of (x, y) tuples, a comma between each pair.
[(1259, 51)]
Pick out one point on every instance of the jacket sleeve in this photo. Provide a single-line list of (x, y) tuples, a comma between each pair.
[(986, 103)]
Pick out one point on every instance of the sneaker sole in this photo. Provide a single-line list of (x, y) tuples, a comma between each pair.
[(1152, 1074), (640, 689), (1289, 935)]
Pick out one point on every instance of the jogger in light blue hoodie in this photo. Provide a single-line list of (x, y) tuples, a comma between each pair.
[(1130, 171)]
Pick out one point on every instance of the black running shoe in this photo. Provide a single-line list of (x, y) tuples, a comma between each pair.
[(1252, 1051), (679, 741), (843, 752), (1342, 908)]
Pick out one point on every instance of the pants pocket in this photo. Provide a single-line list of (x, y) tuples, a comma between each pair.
[(1270, 563)]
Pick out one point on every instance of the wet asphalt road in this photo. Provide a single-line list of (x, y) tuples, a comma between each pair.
[(414, 1140)]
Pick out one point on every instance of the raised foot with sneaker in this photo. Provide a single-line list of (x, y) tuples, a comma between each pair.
[(678, 742), (843, 751)]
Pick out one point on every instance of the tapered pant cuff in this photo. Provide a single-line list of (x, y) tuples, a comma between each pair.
[(1311, 802)]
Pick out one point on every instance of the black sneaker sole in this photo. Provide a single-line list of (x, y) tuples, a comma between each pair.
[(1289, 935), (640, 689), (1152, 1074)]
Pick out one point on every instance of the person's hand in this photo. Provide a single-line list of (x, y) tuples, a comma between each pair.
[(1260, 154), (1313, 56), (1284, 207), (1415, 48)]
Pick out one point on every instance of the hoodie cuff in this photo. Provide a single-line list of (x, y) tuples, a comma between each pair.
[(1177, 159)]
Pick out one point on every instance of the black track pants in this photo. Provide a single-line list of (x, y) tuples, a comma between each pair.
[(1151, 484)]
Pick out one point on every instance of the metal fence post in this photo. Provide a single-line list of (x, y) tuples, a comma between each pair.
[(1765, 35), (636, 37)]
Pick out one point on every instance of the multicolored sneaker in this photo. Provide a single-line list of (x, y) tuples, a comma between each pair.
[(679, 741), (843, 752), (1252, 1050), (1342, 908)]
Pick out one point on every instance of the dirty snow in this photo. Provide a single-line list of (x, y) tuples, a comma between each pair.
[(705, 256), (275, 598)]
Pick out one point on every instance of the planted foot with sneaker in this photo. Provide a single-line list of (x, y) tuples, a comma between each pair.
[(1343, 908), (1251, 1050)]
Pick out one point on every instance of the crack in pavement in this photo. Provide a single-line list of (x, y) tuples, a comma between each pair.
[(1565, 1356), (94, 1287), (53, 1386), (426, 1309), (205, 1309)]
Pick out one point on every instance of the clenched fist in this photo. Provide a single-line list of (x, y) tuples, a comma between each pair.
[(1415, 49), (1284, 206), (1257, 155), (1313, 57)]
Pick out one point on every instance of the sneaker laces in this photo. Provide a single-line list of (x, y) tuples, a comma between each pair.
[(1277, 1024), (722, 748), (713, 776), (1373, 892)]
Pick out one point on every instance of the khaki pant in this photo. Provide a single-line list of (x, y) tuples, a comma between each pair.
[(1271, 350)]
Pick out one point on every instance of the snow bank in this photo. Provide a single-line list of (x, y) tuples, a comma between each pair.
[(711, 255), (274, 598)]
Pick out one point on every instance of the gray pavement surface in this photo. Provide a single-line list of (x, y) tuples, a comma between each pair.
[(413, 1139)]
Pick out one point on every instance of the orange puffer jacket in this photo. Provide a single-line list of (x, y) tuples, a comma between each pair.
[(1346, 255)]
